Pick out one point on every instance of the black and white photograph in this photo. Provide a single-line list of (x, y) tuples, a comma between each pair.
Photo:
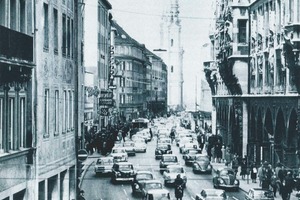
[(149, 99)]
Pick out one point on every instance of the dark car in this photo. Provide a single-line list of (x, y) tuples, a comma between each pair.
[(146, 185), (225, 178), (161, 149), (202, 164), (122, 171), (140, 177), (259, 194), (166, 160)]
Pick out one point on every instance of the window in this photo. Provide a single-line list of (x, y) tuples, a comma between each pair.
[(72, 109), (122, 98), (22, 123), (242, 35), (172, 42), (56, 113), (68, 36), (69, 110), (64, 33), (46, 27), (22, 17), (64, 111), (55, 29), (1, 121), (46, 112), (13, 15), (122, 82), (172, 69), (11, 123)]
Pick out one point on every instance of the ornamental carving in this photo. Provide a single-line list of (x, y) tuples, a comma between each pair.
[(68, 71)]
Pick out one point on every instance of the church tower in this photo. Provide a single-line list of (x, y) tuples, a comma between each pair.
[(170, 40)]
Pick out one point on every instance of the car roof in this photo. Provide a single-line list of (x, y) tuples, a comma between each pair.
[(124, 163), (152, 181), (169, 155), (174, 166), (144, 172)]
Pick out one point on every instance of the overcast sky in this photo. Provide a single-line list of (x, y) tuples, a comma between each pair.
[(141, 19)]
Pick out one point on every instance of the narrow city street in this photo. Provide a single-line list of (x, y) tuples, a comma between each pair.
[(100, 188)]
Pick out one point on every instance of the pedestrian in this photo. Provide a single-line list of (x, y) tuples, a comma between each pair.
[(123, 135), (253, 173), (235, 164), (179, 184), (267, 174), (81, 195), (274, 183), (151, 134), (260, 174), (243, 167)]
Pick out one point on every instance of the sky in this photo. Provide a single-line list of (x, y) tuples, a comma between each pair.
[(141, 20)]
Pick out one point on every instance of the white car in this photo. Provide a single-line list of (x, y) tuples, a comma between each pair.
[(129, 147), (119, 154), (140, 146), (171, 173), (104, 165), (145, 134)]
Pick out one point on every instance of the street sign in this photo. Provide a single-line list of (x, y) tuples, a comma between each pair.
[(106, 94), (106, 102), (82, 154), (104, 111)]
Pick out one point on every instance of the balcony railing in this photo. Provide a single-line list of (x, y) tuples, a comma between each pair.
[(15, 45)]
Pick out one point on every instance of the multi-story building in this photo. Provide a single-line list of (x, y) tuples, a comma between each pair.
[(255, 91), (17, 135), (172, 54), (97, 50)]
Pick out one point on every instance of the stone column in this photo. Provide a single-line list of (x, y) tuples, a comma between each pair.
[(6, 118), (16, 126)]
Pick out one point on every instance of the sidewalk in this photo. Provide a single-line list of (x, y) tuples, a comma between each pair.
[(246, 184), (87, 163)]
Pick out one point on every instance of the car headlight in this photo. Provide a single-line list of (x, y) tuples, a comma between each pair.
[(137, 186), (221, 181), (208, 166), (118, 174), (236, 182)]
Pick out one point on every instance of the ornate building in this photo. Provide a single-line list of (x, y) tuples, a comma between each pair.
[(170, 42), (253, 77)]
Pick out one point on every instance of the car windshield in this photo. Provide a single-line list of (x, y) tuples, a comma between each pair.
[(104, 161), (226, 172), (176, 170), (162, 146), (202, 158), (170, 159), (145, 176), (128, 144), (118, 151), (125, 167), (150, 186)]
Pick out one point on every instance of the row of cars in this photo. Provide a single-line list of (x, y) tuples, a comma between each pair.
[(142, 182)]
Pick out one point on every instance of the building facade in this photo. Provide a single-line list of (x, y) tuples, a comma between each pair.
[(97, 51), (17, 134), (255, 91), (170, 43)]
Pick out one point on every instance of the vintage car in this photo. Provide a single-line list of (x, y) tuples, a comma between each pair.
[(129, 148), (119, 154), (166, 160), (161, 149), (187, 146), (167, 141), (190, 152), (145, 134), (215, 194), (259, 194), (140, 146), (104, 165), (183, 141), (225, 178), (171, 173), (157, 194), (143, 187), (202, 164), (138, 178), (122, 171)]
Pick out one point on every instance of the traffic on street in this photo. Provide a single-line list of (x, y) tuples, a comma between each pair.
[(145, 175)]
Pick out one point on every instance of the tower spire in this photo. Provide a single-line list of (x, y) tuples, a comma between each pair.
[(174, 12)]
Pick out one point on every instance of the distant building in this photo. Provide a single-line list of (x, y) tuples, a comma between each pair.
[(170, 38)]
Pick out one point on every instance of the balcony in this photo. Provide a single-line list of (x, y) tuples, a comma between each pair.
[(15, 46)]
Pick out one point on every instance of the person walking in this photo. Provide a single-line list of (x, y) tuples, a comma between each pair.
[(244, 167), (253, 173), (260, 174), (179, 184), (274, 183)]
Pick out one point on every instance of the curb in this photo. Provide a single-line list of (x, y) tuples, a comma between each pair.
[(85, 168)]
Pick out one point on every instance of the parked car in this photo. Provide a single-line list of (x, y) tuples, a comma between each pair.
[(187, 146), (225, 178), (259, 194), (215, 194), (129, 148), (122, 171), (104, 165), (161, 149), (158, 194), (138, 178), (166, 160), (144, 186), (171, 173), (190, 152), (202, 164), (119, 154)]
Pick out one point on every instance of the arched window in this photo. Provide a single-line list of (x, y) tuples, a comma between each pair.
[(172, 42), (172, 69)]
